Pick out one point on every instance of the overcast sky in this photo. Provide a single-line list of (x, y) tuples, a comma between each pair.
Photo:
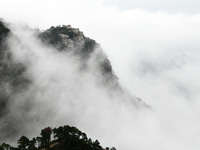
[(189, 6), (153, 47)]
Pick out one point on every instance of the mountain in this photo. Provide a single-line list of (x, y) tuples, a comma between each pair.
[(57, 74), (66, 38)]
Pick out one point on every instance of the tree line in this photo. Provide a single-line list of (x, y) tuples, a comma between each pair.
[(61, 138)]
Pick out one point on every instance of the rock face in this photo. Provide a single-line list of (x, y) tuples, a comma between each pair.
[(71, 39), (64, 37)]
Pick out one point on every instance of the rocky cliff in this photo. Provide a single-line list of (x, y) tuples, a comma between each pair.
[(66, 38), (31, 97)]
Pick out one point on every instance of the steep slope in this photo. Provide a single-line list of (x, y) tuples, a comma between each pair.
[(66, 38), (58, 74)]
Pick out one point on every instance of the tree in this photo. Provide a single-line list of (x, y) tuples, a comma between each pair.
[(5, 146), (96, 145), (65, 137), (32, 144), (45, 138), (58, 133), (23, 143)]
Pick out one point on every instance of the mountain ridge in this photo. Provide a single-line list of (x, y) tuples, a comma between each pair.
[(15, 84)]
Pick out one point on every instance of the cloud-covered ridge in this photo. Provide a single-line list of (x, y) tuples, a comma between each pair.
[(58, 77)]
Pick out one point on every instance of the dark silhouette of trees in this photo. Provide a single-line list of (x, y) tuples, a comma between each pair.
[(32, 144), (5, 146), (72, 138), (23, 143), (64, 138), (45, 138)]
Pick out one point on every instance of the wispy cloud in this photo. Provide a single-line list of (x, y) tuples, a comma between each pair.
[(155, 54)]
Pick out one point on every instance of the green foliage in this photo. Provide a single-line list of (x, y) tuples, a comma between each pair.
[(65, 138)]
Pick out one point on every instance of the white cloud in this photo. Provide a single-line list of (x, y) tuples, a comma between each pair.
[(154, 53)]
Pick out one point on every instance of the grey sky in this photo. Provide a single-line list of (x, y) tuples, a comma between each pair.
[(189, 6)]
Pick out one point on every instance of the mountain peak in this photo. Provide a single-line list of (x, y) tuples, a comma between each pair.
[(57, 74)]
